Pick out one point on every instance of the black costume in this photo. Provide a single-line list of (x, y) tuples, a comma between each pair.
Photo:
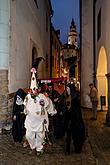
[(18, 129), (59, 117), (74, 126)]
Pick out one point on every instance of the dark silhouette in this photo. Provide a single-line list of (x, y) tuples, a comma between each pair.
[(58, 119), (18, 117), (74, 126)]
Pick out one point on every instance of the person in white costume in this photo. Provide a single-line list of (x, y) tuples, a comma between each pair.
[(37, 107)]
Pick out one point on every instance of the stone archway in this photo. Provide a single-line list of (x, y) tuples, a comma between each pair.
[(101, 71), (38, 63)]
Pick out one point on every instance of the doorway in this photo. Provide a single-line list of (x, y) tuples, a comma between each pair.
[(101, 71)]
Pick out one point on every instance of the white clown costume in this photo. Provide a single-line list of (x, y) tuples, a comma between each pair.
[(36, 110)]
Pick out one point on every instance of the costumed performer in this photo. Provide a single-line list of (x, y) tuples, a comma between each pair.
[(36, 123), (18, 117)]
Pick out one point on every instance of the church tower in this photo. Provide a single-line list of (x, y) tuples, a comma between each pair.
[(70, 53), (73, 35)]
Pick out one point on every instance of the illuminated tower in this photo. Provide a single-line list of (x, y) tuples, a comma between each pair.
[(73, 35)]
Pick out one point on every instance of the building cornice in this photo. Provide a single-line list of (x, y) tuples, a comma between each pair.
[(50, 8)]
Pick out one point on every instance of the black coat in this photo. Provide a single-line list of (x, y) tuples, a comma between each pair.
[(18, 130), (74, 125), (77, 123)]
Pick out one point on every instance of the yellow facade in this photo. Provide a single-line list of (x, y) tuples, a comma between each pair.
[(56, 54)]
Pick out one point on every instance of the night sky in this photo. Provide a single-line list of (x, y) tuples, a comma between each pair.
[(64, 11)]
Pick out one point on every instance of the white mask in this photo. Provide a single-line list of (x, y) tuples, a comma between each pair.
[(19, 100)]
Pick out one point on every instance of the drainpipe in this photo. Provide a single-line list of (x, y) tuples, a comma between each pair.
[(80, 13), (50, 49), (58, 62), (108, 95), (94, 49)]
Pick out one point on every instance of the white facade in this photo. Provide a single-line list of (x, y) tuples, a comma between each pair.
[(28, 29), (101, 47), (87, 50), (4, 33), (22, 27)]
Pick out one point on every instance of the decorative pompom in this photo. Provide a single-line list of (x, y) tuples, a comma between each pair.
[(33, 70), (41, 102), (30, 91)]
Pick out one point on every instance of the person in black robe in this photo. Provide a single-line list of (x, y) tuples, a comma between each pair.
[(75, 128), (18, 117), (59, 102)]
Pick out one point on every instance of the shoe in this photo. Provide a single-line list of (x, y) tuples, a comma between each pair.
[(25, 144), (40, 152)]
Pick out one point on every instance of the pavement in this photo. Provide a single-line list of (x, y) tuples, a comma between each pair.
[(96, 149)]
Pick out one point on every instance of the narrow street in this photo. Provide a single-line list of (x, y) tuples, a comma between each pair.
[(98, 138), (56, 48), (96, 149)]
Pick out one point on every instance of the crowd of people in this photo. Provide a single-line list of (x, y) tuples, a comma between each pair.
[(44, 113)]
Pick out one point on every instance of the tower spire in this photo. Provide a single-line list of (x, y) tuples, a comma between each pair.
[(72, 26), (72, 35)]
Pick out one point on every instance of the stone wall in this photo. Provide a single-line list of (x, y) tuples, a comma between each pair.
[(3, 97), (10, 110), (86, 51)]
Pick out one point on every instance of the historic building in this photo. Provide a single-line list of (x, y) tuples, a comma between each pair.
[(70, 54), (24, 41), (73, 34), (95, 50), (55, 54)]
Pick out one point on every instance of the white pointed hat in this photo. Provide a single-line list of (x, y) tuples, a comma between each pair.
[(33, 85)]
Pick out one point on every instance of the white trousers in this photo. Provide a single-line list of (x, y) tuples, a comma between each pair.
[(35, 139)]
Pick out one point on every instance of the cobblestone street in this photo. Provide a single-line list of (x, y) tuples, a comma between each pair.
[(96, 149)]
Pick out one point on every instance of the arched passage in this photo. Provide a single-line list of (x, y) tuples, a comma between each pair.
[(38, 62), (101, 71)]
